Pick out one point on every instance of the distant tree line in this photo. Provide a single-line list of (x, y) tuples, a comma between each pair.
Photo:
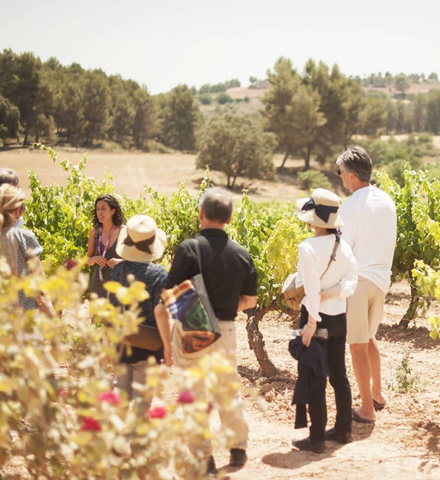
[(312, 114), (41, 100), (219, 87), (308, 114), (387, 80)]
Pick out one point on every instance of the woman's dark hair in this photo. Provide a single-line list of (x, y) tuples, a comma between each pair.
[(118, 217)]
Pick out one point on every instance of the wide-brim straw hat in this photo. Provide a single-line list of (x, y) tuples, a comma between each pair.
[(321, 209), (141, 241)]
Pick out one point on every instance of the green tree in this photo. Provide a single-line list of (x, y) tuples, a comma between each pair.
[(433, 112), (401, 83), (9, 119), (418, 113), (372, 117), (180, 117), (122, 119), (145, 122), (96, 102), (402, 117), (340, 104), (22, 84), (237, 146), (291, 111), (223, 98), (69, 112)]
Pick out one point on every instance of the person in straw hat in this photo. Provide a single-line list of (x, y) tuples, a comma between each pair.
[(327, 269), (139, 245)]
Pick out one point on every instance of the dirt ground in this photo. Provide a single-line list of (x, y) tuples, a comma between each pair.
[(404, 442)]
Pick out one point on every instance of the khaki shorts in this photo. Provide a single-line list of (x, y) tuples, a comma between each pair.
[(364, 311)]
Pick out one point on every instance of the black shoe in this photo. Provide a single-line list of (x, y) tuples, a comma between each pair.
[(309, 445), (340, 437), (211, 469), (238, 457)]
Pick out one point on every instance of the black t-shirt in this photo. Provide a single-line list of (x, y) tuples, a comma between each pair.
[(227, 268)]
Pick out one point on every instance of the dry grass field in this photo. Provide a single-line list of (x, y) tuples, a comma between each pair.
[(132, 171)]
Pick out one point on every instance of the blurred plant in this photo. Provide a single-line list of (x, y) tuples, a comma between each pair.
[(56, 395), (313, 179)]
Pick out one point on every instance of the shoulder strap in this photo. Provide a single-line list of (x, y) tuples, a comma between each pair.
[(333, 255), (199, 258), (95, 241)]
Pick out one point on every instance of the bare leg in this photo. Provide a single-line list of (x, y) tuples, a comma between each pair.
[(362, 371), (375, 366)]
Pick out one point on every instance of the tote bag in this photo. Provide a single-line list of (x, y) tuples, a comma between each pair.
[(189, 305)]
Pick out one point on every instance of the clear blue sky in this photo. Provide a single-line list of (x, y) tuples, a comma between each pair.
[(164, 43)]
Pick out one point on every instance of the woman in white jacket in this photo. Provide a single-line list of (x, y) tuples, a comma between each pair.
[(327, 284)]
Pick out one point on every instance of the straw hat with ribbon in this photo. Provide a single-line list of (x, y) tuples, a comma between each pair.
[(141, 241), (321, 209)]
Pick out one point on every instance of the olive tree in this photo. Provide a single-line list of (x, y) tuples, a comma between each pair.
[(237, 146)]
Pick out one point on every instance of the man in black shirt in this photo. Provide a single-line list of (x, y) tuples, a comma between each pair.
[(231, 283)]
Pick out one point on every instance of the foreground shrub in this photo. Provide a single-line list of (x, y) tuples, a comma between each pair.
[(56, 393)]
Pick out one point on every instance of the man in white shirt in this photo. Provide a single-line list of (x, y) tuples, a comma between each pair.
[(370, 229)]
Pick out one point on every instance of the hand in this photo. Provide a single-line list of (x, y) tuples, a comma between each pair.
[(324, 296), (101, 261), (307, 333), (167, 358), (113, 262)]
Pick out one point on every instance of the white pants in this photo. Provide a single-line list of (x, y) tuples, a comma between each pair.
[(232, 419)]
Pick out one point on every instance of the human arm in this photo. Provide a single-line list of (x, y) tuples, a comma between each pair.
[(308, 331), (94, 259), (163, 324), (245, 302), (348, 282), (183, 267), (332, 292), (309, 268), (112, 262)]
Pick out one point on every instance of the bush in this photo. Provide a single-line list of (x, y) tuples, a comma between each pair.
[(205, 99), (223, 98), (58, 397), (313, 179), (396, 169)]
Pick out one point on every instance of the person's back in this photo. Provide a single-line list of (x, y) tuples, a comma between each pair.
[(231, 282), (370, 229), (370, 216), (225, 266), (140, 244)]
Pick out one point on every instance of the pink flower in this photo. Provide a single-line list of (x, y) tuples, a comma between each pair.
[(90, 425), (157, 412), (69, 264), (186, 397), (63, 392), (111, 397)]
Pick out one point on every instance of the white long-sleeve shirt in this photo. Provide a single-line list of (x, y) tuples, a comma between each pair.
[(313, 257), (370, 228)]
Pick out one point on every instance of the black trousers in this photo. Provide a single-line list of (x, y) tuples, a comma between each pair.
[(334, 348)]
